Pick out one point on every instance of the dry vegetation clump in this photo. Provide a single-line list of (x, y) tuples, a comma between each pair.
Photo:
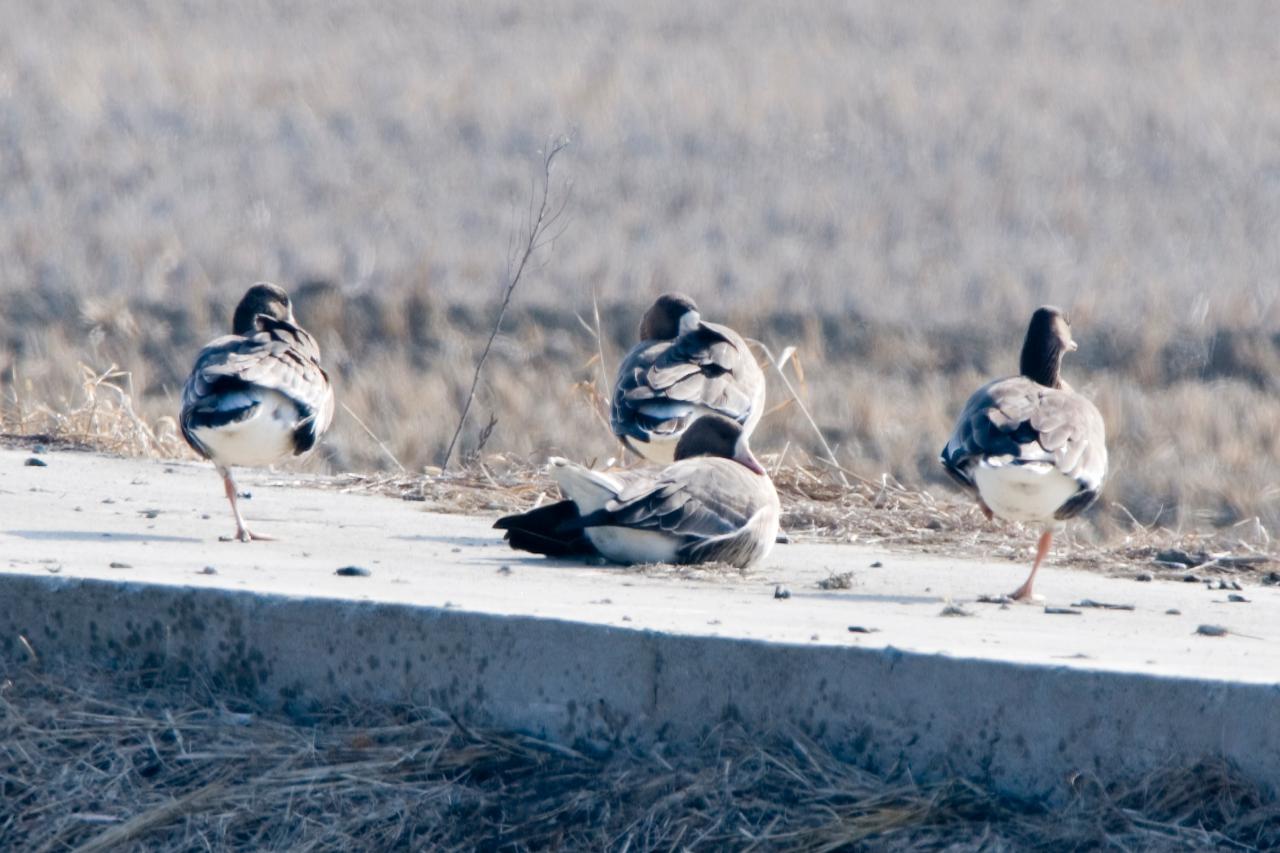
[(131, 761), (876, 513), (100, 417)]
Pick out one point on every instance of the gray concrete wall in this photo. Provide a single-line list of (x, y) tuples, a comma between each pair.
[(1022, 728)]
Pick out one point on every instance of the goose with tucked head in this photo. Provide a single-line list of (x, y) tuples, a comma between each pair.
[(715, 503), (683, 368), (1029, 447), (258, 395)]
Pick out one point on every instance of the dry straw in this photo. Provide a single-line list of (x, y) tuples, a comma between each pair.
[(128, 761)]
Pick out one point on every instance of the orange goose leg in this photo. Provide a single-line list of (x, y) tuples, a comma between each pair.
[(243, 533), (1023, 593)]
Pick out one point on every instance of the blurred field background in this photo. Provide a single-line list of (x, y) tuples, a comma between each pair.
[(890, 188)]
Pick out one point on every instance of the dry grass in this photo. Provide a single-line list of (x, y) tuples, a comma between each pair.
[(131, 761), (888, 188), (816, 505), (100, 417), (878, 513)]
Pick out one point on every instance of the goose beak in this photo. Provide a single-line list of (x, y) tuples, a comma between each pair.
[(747, 458)]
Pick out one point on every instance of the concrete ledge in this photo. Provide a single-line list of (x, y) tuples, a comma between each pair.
[(1023, 729), (108, 560)]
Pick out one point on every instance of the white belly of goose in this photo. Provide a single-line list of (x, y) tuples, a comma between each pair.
[(1031, 492), (625, 545), (260, 440)]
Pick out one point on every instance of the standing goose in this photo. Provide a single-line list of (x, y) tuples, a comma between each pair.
[(1031, 448), (715, 503), (682, 368), (258, 395)]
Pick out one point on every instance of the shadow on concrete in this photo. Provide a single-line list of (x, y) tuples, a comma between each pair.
[(835, 595), (97, 536), (469, 541)]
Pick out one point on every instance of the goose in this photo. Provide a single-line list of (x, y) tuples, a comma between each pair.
[(682, 368), (258, 395), (1029, 447), (715, 503)]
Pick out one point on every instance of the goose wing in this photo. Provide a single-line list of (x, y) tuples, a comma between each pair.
[(663, 385), (1027, 423), (714, 508), (231, 372)]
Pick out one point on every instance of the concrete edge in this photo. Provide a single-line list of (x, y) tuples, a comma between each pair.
[(1022, 729)]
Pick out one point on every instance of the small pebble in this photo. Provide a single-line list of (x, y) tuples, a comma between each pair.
[(877, 565), (859, 629), (1212, 630), (955, 610), (33, 462), (357, 572), (149, 513), (1173, 611), (781, 592), (504, 569), (1237, 599), (40, 448), (208, 570), (1061, 611), (1144, 577), (1190, 579), (1102, 605), (120, 566)]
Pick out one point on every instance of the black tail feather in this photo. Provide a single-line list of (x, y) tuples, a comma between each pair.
[(551, 530)]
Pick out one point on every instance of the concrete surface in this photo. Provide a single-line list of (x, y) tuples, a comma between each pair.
[(104, 559)]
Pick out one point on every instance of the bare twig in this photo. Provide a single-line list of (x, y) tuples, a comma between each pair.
[(386, 450), (603, 391), (485, 433), (540, 220), (778, 366), (604, 367)]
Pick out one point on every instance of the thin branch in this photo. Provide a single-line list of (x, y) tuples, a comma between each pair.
[(536, 226), (377, 440), (822, 439)]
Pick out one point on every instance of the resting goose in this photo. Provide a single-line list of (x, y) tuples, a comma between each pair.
[(258, 395), (715, 503), (683, 367), (1031, 449)]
